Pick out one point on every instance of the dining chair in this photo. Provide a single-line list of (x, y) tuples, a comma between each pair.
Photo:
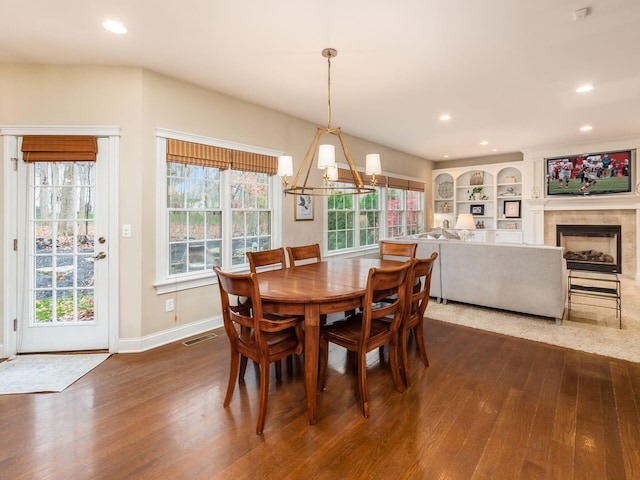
[(365, 331), (303, 254), (260, 261), (266, 258), (397, 251), (418, 287), (252, 334)]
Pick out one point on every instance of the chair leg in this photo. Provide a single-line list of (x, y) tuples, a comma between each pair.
[(290, 364), (264, 391), (278, 371), (233, 371), (395, 369), (243, 368), (404, 359), (419, 335), (381, 353), (362, 383)]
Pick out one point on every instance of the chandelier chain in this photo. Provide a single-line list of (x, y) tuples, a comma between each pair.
[(329, 92)]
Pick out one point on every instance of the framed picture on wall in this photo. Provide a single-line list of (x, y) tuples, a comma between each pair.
[(512, 208), (476, 209), (303, 208)]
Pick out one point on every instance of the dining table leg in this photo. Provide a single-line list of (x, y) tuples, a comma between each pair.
[(311, 349)]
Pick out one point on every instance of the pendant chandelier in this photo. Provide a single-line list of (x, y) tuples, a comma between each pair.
[(326, 159)]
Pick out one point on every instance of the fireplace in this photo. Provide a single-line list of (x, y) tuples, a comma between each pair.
[(591, 247)]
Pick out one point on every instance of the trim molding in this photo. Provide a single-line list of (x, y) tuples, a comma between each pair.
[(148, 342)]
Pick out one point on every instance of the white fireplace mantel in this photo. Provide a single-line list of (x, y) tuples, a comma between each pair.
[(595, 202)]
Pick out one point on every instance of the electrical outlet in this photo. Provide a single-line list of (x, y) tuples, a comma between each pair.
[(169, 306), (126, 231)]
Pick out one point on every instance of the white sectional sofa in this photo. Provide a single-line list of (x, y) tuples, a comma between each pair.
[(517, 277)]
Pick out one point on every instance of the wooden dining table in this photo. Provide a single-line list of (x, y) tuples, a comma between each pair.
[(312, 290)]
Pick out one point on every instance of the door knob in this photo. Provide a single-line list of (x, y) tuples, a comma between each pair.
[(100, 256)]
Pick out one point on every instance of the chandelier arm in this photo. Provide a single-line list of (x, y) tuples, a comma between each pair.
[(314, 143), (352, 166)]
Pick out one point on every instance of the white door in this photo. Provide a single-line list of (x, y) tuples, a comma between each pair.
[(62, 248)]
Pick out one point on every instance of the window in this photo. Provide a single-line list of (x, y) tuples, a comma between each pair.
[(251, 216), (369, 218), (405, 207), (414, 202), (343, 231), (395, 212), (218, 204), (395, 208), (340, 222), (194, 217)]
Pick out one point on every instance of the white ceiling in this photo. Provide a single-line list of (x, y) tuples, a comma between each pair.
[(505, 70)]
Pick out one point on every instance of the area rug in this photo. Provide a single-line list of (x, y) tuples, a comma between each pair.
[(45, 373), (577, 334)]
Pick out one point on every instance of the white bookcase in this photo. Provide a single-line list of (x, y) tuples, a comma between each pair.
[(497, 208)]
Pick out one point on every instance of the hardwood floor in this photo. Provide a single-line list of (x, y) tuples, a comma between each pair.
[(487, 407)]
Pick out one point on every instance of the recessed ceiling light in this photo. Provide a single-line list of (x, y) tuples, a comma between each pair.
[(586, 128), (445, 117), (484, 142), (445, 156), (494, 150), (114, 26), (584, 88)]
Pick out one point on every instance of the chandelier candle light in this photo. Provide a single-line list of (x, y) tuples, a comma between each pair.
[(326, 158)]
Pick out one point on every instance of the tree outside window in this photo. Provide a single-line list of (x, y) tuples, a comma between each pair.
[(369, 218), (340, 222), (395, 212), (195, 218), (414, 212)]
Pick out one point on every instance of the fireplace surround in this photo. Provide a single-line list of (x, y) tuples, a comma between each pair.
[(596, 248)]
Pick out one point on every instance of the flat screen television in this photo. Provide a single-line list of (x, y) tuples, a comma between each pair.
[(590, 173)]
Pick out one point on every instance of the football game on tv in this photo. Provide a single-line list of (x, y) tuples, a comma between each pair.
[(590, 173)]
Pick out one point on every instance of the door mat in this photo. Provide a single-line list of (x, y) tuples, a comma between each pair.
[(45, 373)]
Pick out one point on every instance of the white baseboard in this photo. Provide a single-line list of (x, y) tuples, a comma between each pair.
[(141, 344)]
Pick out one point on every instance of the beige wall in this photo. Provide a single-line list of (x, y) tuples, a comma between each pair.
[(139, 101)]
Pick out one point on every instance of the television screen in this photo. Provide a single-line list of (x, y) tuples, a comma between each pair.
[(590, 173)]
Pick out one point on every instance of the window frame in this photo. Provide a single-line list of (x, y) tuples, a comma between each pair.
[(383, 212), (166, 283)]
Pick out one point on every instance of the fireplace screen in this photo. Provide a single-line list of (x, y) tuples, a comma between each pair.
[(591, 247)]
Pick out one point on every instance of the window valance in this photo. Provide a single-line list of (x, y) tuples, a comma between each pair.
[(59, 148)]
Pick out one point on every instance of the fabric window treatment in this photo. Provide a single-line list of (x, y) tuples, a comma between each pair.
[(59, 148), (345, 176), (223, 158), (198, 154), (398, 183), (254, 162), (416, 186)]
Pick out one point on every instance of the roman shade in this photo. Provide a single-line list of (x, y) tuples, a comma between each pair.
[(59, 148), (399, 183), (344, 176), (198, 154), (209, 156), (416, 186), (254, 162)]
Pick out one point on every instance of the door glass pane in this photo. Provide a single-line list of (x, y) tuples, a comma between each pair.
[(63, 230)]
